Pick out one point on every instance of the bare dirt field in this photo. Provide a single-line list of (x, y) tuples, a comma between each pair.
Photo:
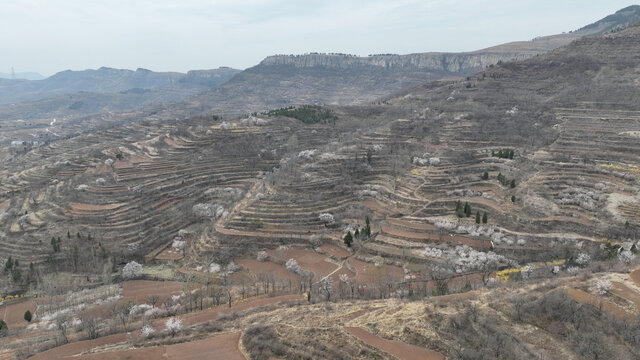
[(255, 268), (69, 350), (396, 348), (627, 293), (369, 273), (13, 314), (223, 346), (139, 290), (635, 276), (307, 259), (335, 251), (587, 298)]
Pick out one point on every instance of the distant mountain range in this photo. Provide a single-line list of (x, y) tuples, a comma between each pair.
[(108, 80)]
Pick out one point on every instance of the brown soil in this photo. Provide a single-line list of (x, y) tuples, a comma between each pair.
[(139, 290), (169, 254), (223, 346), (13, 314), (369, 273), (69, 350), (88, 207), (335, 251), (307, 259), (396, 348), (635, 276), (268, 268), (627, 293), (587, 298)]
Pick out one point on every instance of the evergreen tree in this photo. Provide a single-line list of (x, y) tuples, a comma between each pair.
[(9, 264), (511, 153), (367, 228), (356, 233), (513, 184), (485, 218), (348, 239), (485, 176), (68, 234), (458, 206), (27, 315), (513, 198), (478, 217), (467, 209)]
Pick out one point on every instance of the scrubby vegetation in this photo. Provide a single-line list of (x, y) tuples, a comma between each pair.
[(308, 114)]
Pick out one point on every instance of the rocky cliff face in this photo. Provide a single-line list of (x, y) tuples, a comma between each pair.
[(454, 64)]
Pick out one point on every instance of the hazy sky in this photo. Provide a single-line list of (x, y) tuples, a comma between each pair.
[(48, 36)]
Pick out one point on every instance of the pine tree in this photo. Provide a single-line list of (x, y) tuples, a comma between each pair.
[(485, 176), (348, 239), (485, 218), (356, 233), (513, 184), (478, 217), (467, 209), (458, 206), (9, 264), (511, 153), (68, 234), (513, 198), (27, 316)]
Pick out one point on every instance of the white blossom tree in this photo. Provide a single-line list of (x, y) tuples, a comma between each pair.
[(626, 256), (262, 256), (173, 325), (131, 270), (147, 331), (327, 218), (583, 259), (603, 287), (292, 265)]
